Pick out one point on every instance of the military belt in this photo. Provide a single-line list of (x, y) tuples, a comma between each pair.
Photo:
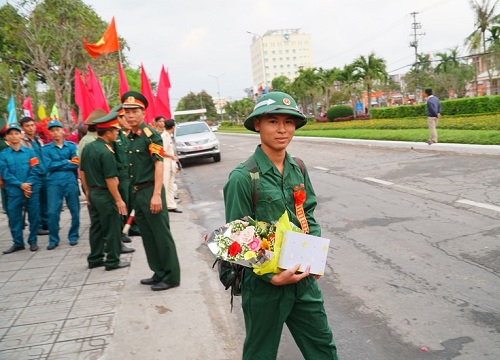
[(143, 185)]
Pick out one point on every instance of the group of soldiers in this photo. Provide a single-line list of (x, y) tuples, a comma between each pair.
[(120, 164)]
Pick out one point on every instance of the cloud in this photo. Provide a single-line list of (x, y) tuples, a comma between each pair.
[(195, 39)]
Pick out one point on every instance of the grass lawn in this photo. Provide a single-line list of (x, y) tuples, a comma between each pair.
[(480, 130)]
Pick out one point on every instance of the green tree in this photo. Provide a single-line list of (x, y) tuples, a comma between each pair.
[(194, 101), (308, 83), (240, 109), (349, 80), (485, 18), (326, 82), (371, 70), (281, 83)]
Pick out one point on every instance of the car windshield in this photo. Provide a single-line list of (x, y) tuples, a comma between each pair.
[(192, 129)]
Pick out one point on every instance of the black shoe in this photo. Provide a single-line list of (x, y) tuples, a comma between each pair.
[(92, 266), (120, 265), (149, 281), (73, 243), (33, 247), (43, 232), (126, 239), (14, 248), (51, 247), (175, 210), (126, 250), (163, 286), (176, 197)]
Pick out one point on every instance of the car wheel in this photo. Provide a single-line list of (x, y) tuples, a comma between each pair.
[(217, 158)]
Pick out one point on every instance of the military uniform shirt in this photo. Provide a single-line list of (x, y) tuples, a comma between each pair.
[(120, 146), (59, 169), (3, 144), (99, 163), (87, 139), (145, 147), (18, 167), (275, 194)]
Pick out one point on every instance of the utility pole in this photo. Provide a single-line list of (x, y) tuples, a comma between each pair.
[(414, 43)]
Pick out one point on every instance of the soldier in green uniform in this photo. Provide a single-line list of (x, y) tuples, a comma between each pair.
[(148, 195), (3, 145), (99, 176), (121, 151), (269, 301)]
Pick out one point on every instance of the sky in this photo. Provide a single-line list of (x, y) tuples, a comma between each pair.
[(205, 44)]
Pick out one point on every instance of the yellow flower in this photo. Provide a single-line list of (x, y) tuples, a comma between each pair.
[(265, 244)]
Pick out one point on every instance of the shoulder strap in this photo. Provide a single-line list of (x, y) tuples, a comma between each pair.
[(301, 165), (253, 170)]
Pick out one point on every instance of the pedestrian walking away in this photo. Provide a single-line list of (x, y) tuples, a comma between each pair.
[(61, 162), (269, 301), (148, 195), (170, 165), (433, 115)]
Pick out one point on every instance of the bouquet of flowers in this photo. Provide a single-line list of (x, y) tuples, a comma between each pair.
[(251, 243)]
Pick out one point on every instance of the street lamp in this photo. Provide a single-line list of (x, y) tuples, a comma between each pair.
[(262, 59), (218, 95)]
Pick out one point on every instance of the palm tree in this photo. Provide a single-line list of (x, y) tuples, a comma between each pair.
[(349, 78), (308, 82), (447, 61), (485, 18), (371, 70), (327, 78)]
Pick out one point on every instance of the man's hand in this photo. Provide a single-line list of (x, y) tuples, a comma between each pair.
[(155, 205), (122, 207), (289, 276), (26, 187)]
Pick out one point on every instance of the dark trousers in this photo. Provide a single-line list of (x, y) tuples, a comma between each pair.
[(267, 308), (156, 237), (15, 205), (104, 235), (58, 192)]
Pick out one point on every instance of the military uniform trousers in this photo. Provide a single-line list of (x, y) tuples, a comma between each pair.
[(15, 204), (104, 235), (156, 237), (44, 208), (58, 192), (4, 200), (267, 307)]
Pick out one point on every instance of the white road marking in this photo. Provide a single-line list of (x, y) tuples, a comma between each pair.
[(383, 182), (321, 168), (481, 205), (411, 189)]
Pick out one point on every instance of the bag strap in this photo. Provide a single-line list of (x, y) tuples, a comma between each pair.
[(253, 170)]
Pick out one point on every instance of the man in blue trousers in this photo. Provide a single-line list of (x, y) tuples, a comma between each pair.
[(33, 141), (61, 164), (21, 172)]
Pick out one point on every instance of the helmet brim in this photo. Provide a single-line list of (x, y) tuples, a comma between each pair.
[(300, 118)]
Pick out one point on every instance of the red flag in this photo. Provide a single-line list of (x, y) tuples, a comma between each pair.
[(82, 96), (162, 96), (148, 94), (107, 44), (28, 109), (123, 80), (73, 115), (95, 89)]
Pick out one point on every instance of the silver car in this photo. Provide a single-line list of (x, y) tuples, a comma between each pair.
[(195, 140)]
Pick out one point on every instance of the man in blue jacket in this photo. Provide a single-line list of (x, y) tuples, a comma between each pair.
[(61, 163), (21, 172), (433, 114)]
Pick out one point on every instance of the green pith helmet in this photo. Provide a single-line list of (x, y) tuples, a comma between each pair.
[(275, 102)]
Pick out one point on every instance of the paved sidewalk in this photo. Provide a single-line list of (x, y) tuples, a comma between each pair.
[(53, 307)]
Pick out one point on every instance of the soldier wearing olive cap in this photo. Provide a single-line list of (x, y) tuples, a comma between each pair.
[(148, 195), (269, 301), (99, 176)]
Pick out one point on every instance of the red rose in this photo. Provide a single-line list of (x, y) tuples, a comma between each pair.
[(234, 249)]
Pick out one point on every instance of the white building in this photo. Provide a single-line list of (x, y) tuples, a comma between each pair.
[(279, 53)]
